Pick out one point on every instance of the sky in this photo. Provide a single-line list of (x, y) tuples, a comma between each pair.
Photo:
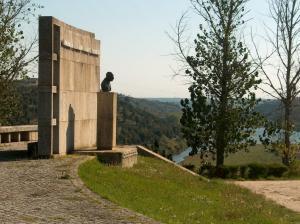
[(134, 41)]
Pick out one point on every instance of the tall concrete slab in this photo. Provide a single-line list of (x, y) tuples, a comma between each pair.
[(69, 80), (107, 120)]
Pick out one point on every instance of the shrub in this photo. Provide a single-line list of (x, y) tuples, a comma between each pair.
[(234, 172), (277, 170), (221, 172), (227, 172), (250, 171), (244, 171), (294, 170), (257, 171), (189, 166), (208, 171)]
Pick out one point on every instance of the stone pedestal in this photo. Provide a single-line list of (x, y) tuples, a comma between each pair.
[(124, 156), (106, 120)]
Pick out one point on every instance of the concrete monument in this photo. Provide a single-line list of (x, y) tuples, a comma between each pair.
[(69, 76), (74, 116)]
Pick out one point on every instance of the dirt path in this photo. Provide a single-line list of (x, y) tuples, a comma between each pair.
[(286, 193), (49, 191)]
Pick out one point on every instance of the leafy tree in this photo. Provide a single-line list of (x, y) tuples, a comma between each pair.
[(219, 117), (15, 52)]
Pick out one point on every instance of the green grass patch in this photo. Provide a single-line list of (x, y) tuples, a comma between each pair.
[(256, 154), (256, 157), (167, 194)]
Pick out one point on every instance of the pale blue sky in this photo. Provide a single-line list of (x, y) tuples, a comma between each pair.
[(134, 42)]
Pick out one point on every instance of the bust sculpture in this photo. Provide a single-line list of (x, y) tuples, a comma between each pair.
[(105, 84)]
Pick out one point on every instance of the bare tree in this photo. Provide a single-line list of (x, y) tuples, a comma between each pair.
[(283, 76)]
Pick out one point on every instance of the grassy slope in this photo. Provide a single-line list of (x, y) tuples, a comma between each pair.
[(158, 190), (256, 154)]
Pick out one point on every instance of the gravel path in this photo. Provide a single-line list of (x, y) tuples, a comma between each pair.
[(49, 191), (286, 193)]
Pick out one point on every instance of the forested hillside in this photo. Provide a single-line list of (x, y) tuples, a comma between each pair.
[(273, 110), (151, 123), (28, 101)]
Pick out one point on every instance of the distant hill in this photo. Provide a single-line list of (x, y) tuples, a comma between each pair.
[(157, 106), (273, 110), (151, 123), (166, 100)]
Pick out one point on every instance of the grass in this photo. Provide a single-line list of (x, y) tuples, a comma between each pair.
[(256, 154), (167, 194)]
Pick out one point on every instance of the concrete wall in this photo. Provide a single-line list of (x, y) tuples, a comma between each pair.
[(69, 79), (107, 120), (17, 137)]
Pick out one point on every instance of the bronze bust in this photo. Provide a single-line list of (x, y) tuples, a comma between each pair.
[(105, 85)]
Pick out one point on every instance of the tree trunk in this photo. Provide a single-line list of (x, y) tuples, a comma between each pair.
[(220, 153), (220, 135), (221, 127), (286, 157)]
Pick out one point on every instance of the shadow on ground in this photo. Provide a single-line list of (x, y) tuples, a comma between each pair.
[(13, 155)]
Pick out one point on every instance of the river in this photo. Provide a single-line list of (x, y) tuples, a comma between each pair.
[(295, 138), (181, 156)]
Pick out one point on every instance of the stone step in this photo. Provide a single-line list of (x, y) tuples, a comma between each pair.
[(124, 156)]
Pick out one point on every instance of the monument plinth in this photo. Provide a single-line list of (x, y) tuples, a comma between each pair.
[(107, 120)]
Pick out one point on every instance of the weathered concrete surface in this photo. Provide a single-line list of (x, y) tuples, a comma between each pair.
[(18, 128), (49, 191), (107, 120), (124, 156), (15, 137), (69, 80), (285, 193)]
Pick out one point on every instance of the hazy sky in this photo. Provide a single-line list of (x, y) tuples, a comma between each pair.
[(134, 43)]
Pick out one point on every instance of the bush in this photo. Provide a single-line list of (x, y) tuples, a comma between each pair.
[(277, 170), (189, 166), (211, 171), (244, 171), (234, 172), (208, 171), (257, 171), (227, 172), (250, 171), (294, 170)]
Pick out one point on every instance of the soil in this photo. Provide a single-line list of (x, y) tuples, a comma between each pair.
[(285, 193)]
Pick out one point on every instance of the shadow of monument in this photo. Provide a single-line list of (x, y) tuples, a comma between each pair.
[(70, 134), (13, 155)]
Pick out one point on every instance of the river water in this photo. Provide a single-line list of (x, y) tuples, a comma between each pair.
[(181, 156), (295, 138)]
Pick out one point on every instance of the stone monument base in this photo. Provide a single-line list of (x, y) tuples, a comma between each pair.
[(124, 156)]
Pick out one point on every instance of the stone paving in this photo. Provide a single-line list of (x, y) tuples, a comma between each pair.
[(49, 191)]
